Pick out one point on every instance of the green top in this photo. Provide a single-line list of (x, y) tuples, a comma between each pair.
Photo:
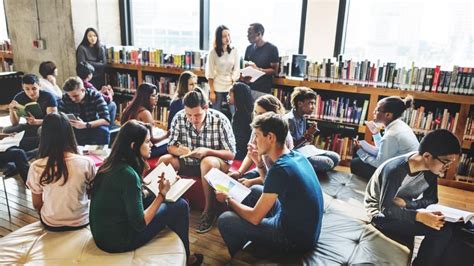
[(116, 210)]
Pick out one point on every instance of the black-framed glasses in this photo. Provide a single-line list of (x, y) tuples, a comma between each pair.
[(445, 163)]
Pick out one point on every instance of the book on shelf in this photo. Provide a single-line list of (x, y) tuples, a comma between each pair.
[(224, 183), (337, 143), (11, 141), (178, 185), (341, 109), (465, 170), (468, 133), (32, 108), (451, 215)]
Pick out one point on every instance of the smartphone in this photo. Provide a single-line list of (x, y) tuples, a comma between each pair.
[(72, 117)]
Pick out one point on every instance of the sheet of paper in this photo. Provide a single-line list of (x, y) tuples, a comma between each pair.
[(252, 72), (11, 141), (222, 182)]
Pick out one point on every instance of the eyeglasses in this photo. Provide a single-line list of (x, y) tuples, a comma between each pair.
[(445, 163)]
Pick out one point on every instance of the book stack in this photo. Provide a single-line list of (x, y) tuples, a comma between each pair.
[(422, 121), (387, 75), (156, 57), (341, 109)]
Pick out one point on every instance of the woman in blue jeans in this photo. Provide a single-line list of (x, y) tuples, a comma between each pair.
[(119, 219)]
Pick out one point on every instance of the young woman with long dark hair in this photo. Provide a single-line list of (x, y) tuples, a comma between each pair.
[(59, 178), (92, 51), (120, 220)]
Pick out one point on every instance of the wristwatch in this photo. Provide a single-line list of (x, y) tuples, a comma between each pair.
[(88, 125), (227, 200)]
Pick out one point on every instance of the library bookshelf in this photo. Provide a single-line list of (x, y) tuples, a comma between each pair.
[(373, 93)]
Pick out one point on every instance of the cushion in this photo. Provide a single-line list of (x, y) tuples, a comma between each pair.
[(33, 244)]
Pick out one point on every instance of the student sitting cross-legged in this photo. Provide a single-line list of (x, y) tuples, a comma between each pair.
[(200, 139), (285, 214), (59, 178), (408, 182), (90, 109), (303, 101), (121, 219)]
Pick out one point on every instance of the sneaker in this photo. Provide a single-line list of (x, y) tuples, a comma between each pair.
[(206, 221)]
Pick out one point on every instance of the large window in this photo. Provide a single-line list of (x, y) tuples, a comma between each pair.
[(3, 23), (281, 19), (169, 25), (429, 33)]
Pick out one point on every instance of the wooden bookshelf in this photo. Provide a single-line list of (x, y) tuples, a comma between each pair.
[(374, 93)]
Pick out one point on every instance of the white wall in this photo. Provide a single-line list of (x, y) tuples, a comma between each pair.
[(103, 15), (320, 32)]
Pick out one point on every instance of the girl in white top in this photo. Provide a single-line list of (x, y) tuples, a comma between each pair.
[(47, 82), (60, 177), (222, 68)]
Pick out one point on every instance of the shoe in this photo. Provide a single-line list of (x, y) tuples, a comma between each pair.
[(10, 170), (199, 259), (206, 221)]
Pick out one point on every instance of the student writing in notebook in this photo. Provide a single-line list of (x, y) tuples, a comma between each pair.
[(398, 138), (120, 219), (408, 182), (200, 139)]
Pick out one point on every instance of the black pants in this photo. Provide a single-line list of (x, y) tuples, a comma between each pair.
[(359, 168), (433, 249), (19, 158)]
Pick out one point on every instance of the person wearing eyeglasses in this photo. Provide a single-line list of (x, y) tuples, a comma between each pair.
[(398, 138), (403, 185)]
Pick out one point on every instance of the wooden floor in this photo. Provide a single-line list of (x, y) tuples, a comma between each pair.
[(209, 244)]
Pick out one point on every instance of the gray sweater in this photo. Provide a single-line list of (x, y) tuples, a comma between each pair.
[(388, 183)]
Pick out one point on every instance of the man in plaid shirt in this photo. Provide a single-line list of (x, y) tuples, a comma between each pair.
[(200, 139), (90, 109)]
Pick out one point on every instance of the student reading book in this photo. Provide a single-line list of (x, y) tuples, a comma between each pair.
[(451, 215), (178, 185), (32, 108)]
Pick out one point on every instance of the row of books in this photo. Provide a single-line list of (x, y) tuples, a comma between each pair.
[(465, 170), (7, 66), (469, 129), (122, 81), (161, 114), (6, 46), (156, 57), (341, 109), (337, 143), (365, 73), (165, 85), (422, 121)]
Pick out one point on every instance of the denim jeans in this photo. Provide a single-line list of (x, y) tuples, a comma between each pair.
[(222, 97), (362, 169), (97, 136), (175, 215), (325, 162), (236, 231), (113, 112), (19, 158), (433, 247)]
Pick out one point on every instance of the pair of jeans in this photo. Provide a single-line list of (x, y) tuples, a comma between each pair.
[(432, 250), (113, 113), (92, 136), (236, 231), (220, 98), (325, 162), (19, 158), (175, 215)]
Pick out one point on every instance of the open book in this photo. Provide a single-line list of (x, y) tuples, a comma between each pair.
[(451, 215), (30, 108), (252, 72), (178, 186), (222, 182), (11, 141), (369, 148), (310, 150), (157, 133)]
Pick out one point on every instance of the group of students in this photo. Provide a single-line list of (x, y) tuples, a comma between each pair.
[(285, 208)]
